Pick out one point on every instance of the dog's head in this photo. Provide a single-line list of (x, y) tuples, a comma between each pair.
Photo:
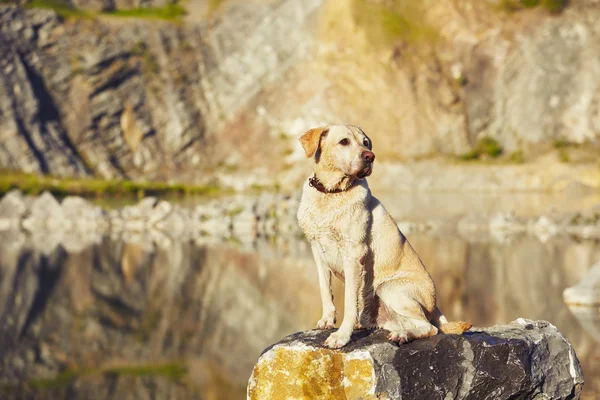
[(340, 148)]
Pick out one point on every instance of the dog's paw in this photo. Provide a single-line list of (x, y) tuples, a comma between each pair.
[(398, 336), (327, 321), (337, 339)]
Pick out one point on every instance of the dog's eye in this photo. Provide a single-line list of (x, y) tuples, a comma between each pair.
[(367, 143), (344, 142)]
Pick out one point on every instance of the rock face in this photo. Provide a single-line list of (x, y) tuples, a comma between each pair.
[(154, 100), (524, 359), (137, 98)]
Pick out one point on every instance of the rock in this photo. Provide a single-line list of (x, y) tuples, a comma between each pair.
[(160, 212), (87, 223), (45, 223), (45, 208), (12, 205), (174, 223), (524, 359), (587, 291), (245, 225)]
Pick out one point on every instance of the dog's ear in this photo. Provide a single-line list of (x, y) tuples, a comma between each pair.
[(311, 139)]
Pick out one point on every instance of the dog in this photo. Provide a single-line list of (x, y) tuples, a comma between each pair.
[(352, 235)]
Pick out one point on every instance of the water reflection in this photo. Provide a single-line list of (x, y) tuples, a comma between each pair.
[(183, 320)]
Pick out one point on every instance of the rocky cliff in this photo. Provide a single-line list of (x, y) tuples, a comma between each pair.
[(229, 92), (135, 98)]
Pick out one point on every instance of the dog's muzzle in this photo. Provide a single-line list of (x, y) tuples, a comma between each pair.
[(366, 171)]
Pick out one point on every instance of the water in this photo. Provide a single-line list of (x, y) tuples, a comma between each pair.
[(182, 320)]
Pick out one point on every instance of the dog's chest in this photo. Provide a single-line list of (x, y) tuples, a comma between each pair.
[(324, 228), (321, 225)]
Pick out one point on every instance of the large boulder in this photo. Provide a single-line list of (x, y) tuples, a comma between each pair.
[(587, 291), (524, 359)]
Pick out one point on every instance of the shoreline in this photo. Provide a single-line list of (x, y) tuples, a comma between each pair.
[(33, 184)]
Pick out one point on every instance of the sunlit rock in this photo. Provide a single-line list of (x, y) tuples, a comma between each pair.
[(544, 228), (160, 212), (12, 209), (85, 223), (587, 291), (524, 359)]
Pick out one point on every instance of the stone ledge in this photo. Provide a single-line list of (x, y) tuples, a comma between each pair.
[(524, 359)]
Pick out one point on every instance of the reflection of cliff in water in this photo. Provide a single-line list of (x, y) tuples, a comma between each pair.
[(114, 304), (124, 320)]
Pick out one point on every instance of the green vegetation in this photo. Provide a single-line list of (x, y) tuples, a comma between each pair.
[(562, 145), (485, 146), (61, 7), (174, 371), (553, 6), (489, 146), (64, 378), (34, 184), (235, 211), (516, 157), (471, 155), (563, 155), (170, 12), (213, 6), (393, 21)]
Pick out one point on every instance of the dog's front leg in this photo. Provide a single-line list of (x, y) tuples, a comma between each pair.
[(327, 320), (351, 292)]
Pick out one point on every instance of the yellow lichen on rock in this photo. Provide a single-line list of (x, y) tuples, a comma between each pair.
[(312, 373)]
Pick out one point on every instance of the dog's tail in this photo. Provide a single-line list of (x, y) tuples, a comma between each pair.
[(440, 321), (455, 327)]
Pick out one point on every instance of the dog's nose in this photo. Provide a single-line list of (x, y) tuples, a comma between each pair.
[(368, 156)]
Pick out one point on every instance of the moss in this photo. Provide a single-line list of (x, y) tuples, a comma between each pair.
[(471, 155), (393, 21), (174, 371), (61, 7), (170, 12), (560, 144), (516, 157), (64, 378), (34, 184), (489, 146), (485, 146), (553, 6)]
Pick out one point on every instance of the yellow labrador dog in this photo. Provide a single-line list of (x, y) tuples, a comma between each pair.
[(352, 235)]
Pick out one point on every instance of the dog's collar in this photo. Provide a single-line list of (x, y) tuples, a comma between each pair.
[(318, 185)]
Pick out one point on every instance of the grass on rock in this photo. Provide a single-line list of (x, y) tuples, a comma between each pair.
[(170, 12), (486, 146), (34, 184)]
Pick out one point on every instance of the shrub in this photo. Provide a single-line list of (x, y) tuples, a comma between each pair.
[(485, 146), (516, 157)]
